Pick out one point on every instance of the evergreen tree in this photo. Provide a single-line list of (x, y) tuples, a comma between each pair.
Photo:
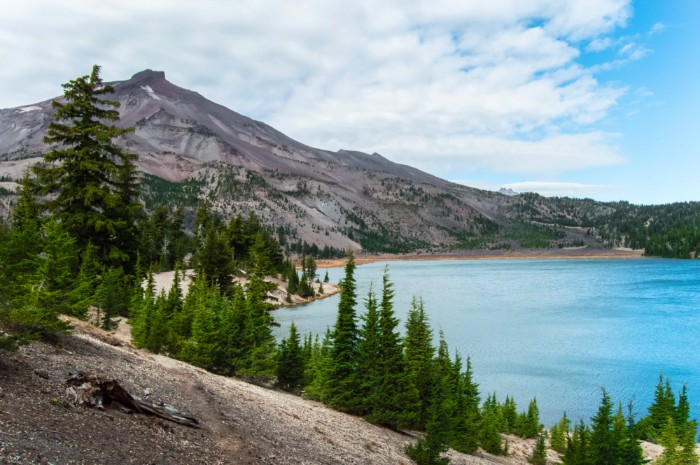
[(158, 337), (292, 281), (200, 349), (418, 350), (47, 289), (369, 369), (603, 450), (466, 432), (343, 376), (396, 401), (26, 210), (511, 423), (109, 297), (429, 450), (662, 408), (290, 370), (215, 259), (490, 437), (83, 294), (318, 371), (559, 433), (577, 447), (144, 313), (539, 453), (93, 179), (630, 449), (669, 440), (687, 454)]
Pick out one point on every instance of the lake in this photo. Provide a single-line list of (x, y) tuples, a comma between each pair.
[(555, 329)]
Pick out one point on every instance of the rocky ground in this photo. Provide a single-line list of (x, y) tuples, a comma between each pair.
[(240, 423)]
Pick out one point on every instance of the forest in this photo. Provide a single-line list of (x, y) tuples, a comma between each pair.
[(80, 240)]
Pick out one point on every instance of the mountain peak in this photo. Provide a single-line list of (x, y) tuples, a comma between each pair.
[(148, 74)]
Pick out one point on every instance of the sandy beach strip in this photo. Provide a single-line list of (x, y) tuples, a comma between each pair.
[(570, 253)]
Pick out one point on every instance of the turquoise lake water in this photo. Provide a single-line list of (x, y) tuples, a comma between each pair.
[(557, 330)]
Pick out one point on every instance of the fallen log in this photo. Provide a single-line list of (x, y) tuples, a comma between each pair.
[(97, 392)]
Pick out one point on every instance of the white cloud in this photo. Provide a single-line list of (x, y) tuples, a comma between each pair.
[(546, 188), (657, 28), (559, 189), (494, 85), (598, 45)]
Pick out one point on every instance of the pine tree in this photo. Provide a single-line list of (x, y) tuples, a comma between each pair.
[(47, 290), (93, 179), (290, 370), (687, 454), (318, 371), (369, 364), (109, 297), (292, 281), (662, 408), (511, 421), (630, 449), (396, 401), (343, 376), (82, 296), (539, 453), (669, 440), (603, 450), (466, 432), (158, 337), (490, 436), (26, 210), (429, 450), (200, 349), (577, 447), (418, 350), (142, 320), (558, 434), (214, 260)]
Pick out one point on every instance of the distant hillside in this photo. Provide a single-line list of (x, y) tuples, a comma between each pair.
[(192, 149)]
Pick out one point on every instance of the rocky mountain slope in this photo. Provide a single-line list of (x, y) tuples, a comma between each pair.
[(240, 423), (191, 149)]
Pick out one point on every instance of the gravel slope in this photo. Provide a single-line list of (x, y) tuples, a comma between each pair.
[(240, 423)]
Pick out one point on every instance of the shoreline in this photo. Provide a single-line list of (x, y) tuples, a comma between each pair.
[(553, 254)]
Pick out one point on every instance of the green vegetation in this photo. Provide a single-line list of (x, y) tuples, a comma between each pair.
[(92, 179), (669, 230)]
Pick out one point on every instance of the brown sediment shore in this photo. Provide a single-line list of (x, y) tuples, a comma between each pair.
[(573, 253)]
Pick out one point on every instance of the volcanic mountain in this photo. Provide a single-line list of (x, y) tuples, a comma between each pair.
[(191, 149)]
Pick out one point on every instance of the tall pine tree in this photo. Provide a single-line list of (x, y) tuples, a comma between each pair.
[(343, 376), (92, 178)]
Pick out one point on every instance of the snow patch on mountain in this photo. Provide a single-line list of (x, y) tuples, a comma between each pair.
[(150, 92), (29, 108)]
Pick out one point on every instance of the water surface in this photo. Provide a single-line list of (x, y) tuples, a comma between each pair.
[(558, 330)]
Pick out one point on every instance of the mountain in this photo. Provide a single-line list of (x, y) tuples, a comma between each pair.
[(191, 149)]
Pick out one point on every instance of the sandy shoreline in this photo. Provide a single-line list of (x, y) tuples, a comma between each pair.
[(574, 253)]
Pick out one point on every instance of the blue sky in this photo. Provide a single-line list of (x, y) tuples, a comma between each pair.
[(587, 98)]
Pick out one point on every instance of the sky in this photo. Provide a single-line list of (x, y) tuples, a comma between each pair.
[(584, 98)]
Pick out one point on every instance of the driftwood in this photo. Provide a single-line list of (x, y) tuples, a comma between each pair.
[(97, 392)]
